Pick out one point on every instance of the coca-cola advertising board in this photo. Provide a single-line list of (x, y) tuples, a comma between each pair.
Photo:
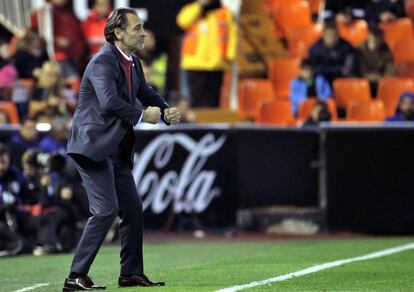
[(186, 174)]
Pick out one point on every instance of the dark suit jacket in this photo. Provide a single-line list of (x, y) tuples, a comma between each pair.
[(105, 111)]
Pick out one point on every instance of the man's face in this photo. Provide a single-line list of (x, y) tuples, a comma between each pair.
[(134, 34), (102, 7), (4, 51), (60, 3), (315, 112), (30, 170), (406, 106), (28, 131), (306, 72), (4, 164), (330, 37)]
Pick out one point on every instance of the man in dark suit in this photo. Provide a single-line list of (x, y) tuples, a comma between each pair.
[(113, 97)]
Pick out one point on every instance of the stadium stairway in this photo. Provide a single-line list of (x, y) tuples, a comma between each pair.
[(283, 220)]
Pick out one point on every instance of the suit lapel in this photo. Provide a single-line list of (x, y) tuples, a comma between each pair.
[(125, 89), (135, 80)]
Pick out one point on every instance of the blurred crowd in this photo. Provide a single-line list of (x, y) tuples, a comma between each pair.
[(43, 207), (42, 77)]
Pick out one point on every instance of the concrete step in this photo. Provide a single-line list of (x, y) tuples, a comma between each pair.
[(282, 220)]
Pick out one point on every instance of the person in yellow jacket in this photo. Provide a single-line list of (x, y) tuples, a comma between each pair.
[(209, 46)]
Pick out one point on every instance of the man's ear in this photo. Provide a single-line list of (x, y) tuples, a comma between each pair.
[(119, 33)]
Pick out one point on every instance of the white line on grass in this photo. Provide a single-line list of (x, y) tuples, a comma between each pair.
[(32, 287), (321, 267)]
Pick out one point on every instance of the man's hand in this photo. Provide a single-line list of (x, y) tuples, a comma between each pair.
[(152, 115), (172, 115)]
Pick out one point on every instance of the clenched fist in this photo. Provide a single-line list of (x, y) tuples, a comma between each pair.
[(172, 115), (152, 115)]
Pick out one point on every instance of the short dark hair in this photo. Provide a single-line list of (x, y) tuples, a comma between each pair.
[(306, 63), (117, 19), (324, 114), (4, 150), (330, 25)]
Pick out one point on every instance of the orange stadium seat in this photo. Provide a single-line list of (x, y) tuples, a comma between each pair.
[(10, 109), (355, 32), (404, 51), (389, 91), (277, 112), (274, 5), (252, 92), (366, 111), (224, 97), (305, 108), (281, 72), (292, 13), (409, 8), (315, 6), (347, 90), (225, 90), (406, 69), (397, 30), (301, 38)]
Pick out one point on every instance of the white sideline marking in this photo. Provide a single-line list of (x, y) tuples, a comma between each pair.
[(33, 287), (321, 267)]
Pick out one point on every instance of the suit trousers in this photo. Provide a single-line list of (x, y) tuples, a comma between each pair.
[(111, 192)]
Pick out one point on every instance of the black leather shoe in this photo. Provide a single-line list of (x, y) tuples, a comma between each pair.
[(137, 280), (81, 283)]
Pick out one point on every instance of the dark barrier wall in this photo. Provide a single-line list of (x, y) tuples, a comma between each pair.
[(370, 181), (207, 173), (211, 172), (274, 167)]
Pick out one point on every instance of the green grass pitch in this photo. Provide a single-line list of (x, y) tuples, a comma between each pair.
[(198, 265)]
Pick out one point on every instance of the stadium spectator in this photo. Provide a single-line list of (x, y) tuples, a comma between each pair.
[(28, 137), (345, 10), (209, 45), (30, 188), (332, 56), (29, 195), (308, 85), (8, 73), (69, 42), (93, 26), (50, 98), (375, 59), (384, 11), (4, 118), (57, 139), (11, 242), (320, 113), (59, 213), (30, 55), (373, 11), (405, 111), (154, 63)]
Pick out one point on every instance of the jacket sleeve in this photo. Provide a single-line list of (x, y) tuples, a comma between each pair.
[(297, 94), (188, 15), (103, 81), (323, 88)]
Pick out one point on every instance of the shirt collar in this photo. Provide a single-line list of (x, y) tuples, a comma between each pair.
[(129, 58)]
